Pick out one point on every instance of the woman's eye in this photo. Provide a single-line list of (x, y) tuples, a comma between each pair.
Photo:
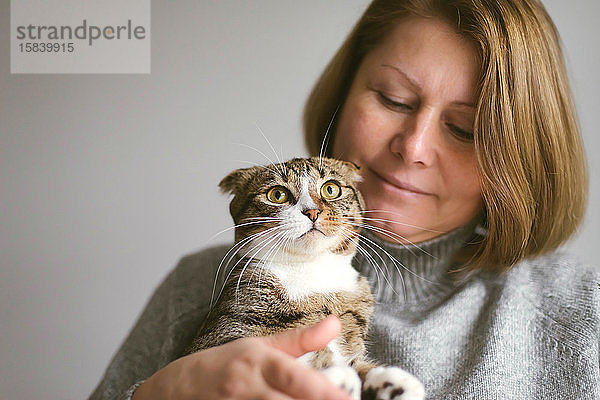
[(393, 104), (331, 190), (461, 133), (278, 195)]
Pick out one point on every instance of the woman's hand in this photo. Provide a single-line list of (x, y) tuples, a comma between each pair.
[(251, 368)]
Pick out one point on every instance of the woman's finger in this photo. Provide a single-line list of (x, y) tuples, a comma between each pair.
[(294, 379), (303, 340)]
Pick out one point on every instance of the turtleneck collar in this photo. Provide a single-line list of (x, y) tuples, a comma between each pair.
[(411, 274)]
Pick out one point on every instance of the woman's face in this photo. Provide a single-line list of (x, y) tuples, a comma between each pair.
[(408, 123)]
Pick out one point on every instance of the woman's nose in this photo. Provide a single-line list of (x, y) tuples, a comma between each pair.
[(416, 141)]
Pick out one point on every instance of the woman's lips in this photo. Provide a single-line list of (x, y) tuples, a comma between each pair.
[(398, 186)]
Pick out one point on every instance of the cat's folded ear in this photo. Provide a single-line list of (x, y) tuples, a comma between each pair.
[(352, 165), (237, 180), (353, 170)]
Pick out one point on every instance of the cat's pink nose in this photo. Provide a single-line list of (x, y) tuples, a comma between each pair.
[(312, 214)]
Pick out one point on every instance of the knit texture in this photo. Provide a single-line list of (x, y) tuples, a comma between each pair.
[(530, 333)]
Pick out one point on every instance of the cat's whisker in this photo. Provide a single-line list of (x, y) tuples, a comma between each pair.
[(382, 270), (264, 218), (247, 240), (397, 238), (392, 258), (281, 152), (396, 262), (251, 163), (231, 253), (272, 251), (262, 221), (325, 141), (276, 249), (261, 263), (255, 245), (268, 167), (233, 250), (376, 267), (371, 260), (251, 258), (249, 261), (366, 242), (400, 223), (273, 230), (281, 164), (271, 163), (286, 241)]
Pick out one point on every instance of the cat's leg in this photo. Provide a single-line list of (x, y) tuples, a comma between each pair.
[(334, 366), (391, 383), (346, 378), (362, 367)]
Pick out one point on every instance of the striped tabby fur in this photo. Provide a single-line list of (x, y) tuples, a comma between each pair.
[(295, 238)]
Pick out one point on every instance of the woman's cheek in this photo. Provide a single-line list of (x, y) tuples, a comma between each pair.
[(363, 134)]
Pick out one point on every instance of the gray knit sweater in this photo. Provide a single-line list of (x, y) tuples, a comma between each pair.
[(531, 333)]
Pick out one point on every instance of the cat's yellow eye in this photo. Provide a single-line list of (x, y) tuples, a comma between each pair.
[(331, 190), (278, 195)]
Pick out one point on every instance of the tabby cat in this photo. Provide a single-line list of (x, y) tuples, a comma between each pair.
[(297, 229)]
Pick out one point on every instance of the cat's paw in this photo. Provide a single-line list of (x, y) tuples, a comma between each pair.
[(392, 383), (346, 378)]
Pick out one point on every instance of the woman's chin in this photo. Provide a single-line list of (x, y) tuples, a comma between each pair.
[(398, 226), (390, 232)]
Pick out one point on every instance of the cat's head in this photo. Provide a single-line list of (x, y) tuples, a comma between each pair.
[(303, 207)]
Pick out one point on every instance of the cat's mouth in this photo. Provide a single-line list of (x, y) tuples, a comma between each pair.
[(312, 231)]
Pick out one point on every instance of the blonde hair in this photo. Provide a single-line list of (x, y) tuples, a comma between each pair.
[(529, 150)]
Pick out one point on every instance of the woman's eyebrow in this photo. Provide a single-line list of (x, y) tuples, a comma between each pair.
[(411, 82), (463, 104), (415, 86)]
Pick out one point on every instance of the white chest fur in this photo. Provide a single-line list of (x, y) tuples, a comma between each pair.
[(325, 274)]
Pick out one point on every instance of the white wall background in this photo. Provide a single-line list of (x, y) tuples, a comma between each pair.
[(107, 180)]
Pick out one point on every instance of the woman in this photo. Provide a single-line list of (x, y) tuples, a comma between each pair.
[(459, 113)]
